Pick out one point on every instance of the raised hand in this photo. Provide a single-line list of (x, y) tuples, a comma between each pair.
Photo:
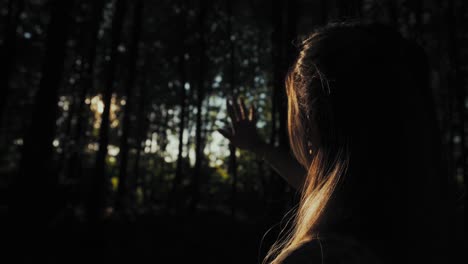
[(242, 130)]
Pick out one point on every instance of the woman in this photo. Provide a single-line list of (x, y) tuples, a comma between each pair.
[(367, 159)]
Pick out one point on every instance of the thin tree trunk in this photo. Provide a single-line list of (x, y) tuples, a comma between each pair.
[(195, 185), (7, 63), (66, 141), (462, 105), (259, 161), (141, 130), (96, 201), (283, 54), (291, 53), (129, 86), (277, 57), (172, 200), (77, 98), (75, 167), (156, 182), (8, 51), (75, 163), (453, 78), (37, 151), (232, 83), (457, 86), (34, 190)]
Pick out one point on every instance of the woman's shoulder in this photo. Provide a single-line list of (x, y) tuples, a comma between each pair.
[(332, 250)]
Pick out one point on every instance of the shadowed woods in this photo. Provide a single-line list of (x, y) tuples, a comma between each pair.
[(109, 112)]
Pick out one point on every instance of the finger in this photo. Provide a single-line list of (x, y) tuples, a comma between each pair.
[(235, 106), (230, 110), (226, 133), (228, 126), (242, 108), (252, 113)]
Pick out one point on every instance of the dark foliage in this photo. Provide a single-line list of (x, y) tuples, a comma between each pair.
[(108, 113)]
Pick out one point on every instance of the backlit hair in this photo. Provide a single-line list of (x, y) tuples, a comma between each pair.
[(360, 87)]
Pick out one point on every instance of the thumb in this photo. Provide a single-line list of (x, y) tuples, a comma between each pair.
[(227, 134), (252, 113)]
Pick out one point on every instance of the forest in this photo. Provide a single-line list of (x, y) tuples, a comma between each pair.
[(109, 111)]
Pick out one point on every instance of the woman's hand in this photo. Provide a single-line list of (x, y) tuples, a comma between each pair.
[(242, 131)]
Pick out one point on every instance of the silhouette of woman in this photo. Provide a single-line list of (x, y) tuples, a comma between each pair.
[(366, 151)]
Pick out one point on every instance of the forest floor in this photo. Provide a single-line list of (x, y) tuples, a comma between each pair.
[(149, 238)]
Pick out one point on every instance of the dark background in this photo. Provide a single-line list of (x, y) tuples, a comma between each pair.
[(147, 81)]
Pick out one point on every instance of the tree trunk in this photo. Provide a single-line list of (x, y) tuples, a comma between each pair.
[(141, 125), (142, 128), (290, 56), (195, 185), (258, 160), (96, 201), (129, 86), (277, 57), (457, 96), (156, 181), (232, 169), (78, 91), (8, 51), (173, 198), (67, 142), (283, 55), (75, 167), (34, 190)]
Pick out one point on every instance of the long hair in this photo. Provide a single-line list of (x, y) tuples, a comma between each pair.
[(359, 95)]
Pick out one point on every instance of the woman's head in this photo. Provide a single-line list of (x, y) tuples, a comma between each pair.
[(360, 120)]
